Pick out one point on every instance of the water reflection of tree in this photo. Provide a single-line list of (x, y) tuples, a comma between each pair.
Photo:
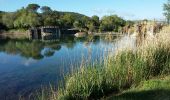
[(49, 53), (54, 46), (28, 49), (32, 49), (51, 49)]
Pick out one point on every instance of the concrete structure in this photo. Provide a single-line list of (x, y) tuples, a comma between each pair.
[(44, 33)]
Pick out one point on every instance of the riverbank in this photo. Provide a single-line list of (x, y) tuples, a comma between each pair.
[(154, 89), (122, 71), (15, 34), (119, 73), (125, 71)]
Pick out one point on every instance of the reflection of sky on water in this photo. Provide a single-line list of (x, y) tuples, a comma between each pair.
[(28, 62)]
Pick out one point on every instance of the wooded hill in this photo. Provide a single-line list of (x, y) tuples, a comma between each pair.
[(33, 16)]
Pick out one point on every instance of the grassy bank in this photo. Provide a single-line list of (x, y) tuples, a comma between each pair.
[(154, 89), (123, 71), (15, 34)]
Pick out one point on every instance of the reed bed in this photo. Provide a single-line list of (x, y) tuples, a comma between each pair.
[(123, 70)]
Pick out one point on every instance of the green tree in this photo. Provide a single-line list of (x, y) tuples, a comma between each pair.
[(21, 20), (8, 20), (33, 7), (50, 21), (0, 16), (49, 17), (45, 9), (91, 26), (85, 20), (79, 25), (111, 23), (68, 20), (33, 19), (27, 19), (96, 20), (94, 23), (166, 9), (129, 22), (1, 25)]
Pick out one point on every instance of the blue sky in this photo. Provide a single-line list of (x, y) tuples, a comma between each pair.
[(128, 9)]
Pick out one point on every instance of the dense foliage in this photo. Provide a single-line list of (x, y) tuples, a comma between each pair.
[(1, 25), (111, 23), (166, 9), (33, 16)]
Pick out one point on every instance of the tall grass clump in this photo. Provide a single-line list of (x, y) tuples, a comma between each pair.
[(87, 83), (124, 69)]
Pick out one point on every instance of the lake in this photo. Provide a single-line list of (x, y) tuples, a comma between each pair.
[(26, 66)]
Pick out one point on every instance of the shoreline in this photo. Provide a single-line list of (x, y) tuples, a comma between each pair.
[(14, 34), (120, 72)]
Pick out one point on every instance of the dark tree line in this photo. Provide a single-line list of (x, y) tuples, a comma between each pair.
[(29, 16)]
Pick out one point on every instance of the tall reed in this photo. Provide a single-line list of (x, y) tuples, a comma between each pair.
[(124, 69)]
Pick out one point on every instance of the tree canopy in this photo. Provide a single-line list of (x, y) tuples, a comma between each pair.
[(45, 9), (111, 23), (33, 7), (30, 16), (166, 9)]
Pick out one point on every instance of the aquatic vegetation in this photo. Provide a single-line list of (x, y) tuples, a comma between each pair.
[(126, 69)]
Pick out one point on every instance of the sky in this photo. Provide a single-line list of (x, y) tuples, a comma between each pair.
[(127, 9)]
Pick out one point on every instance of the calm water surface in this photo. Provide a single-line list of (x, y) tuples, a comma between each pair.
[(26, 66)]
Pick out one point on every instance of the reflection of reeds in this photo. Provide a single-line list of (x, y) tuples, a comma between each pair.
[(120, 71)]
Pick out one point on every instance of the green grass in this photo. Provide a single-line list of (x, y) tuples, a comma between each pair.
[(136, 72), (122, 72), (119, 72), (154, 89)]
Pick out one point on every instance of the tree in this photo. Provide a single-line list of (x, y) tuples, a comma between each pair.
[(1, 25), (8, 20), (79, 25), (131, 23), (45, 9), (85, 20), (68, 20), (21, 20), (166, 9), (94, 23), (0, 16), (33, 19), (111, 23), (91, 26), (96, 20), (49, 17), (27, 19), (33, 7), (50, 21)]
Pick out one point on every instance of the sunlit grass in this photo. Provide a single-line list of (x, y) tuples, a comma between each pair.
[(126, 69), (154, 89)]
